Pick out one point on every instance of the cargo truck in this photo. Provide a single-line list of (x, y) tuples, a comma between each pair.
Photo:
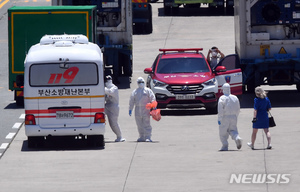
[(173, 5), (142, 16), (113, 32), (26, 26), (267, 40)]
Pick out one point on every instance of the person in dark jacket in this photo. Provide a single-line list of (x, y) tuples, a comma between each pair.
[(260, 120)]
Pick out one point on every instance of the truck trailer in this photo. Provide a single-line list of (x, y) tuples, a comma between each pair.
[(26, 26), (171, 6), (113, 33), (267, 40)]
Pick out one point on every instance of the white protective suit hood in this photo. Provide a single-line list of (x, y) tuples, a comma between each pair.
[(141, 82), (226, 89), (108, 84), (108, 81)]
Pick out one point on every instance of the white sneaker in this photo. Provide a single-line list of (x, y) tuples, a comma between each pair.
[(238, 142), (148, 140), (250, 145), (120, 139), (269, 146)]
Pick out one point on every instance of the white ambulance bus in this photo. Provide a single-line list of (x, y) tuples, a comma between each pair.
[(64, 90)]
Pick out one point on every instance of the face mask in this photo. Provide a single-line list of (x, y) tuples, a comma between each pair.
[(214, 54), (141, 85), (226, 92), (108, 83)]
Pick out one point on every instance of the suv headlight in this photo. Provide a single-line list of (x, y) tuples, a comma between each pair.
[(210, 82), (157, 83)]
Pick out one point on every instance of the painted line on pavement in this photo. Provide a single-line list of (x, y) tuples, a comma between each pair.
[(10, 136), (17, 125), (22, 116), (3, 3), (4, 145)]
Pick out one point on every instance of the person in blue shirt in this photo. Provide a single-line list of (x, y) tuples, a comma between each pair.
[(260, 120)]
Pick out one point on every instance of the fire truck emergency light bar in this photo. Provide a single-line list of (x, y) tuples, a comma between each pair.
[(181, 50)]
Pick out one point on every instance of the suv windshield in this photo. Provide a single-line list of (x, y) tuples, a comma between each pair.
[(182, 65)]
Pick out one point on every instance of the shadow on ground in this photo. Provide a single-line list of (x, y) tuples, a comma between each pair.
[(61, 144)]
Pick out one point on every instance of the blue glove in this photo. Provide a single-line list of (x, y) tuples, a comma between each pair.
[(130, 112), (219, 122)]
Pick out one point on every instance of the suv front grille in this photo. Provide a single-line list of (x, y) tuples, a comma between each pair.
[(184, 89)]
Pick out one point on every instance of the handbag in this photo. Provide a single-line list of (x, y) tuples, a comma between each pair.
[(271, 120)]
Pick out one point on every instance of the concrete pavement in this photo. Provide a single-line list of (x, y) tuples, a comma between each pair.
[(183, 157)]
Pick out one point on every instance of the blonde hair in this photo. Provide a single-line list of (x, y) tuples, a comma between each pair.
[(259, 92)]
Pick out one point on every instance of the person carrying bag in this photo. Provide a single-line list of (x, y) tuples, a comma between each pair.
[(262, 106)]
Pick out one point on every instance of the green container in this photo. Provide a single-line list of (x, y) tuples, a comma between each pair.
[(26, 26)]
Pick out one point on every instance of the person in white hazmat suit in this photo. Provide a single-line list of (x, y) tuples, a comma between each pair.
[(228, 111), (112, 107), (138, 99)]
